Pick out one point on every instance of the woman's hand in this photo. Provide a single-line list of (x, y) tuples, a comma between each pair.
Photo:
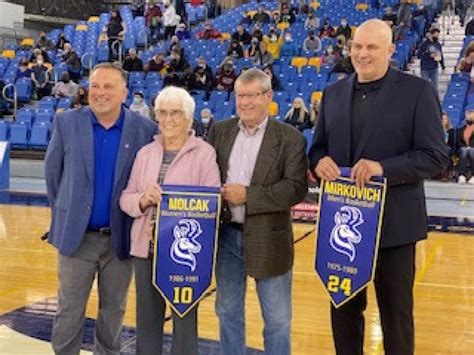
[(150, 197)]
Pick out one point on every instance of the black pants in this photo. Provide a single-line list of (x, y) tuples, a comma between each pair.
[(394, 278), (151, 316), (169, 32)]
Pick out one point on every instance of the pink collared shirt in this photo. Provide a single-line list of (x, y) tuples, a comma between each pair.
[(242, 161)]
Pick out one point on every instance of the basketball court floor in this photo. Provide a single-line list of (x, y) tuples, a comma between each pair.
[(444, 288)]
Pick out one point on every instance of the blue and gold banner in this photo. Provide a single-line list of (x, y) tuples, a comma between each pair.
[(185, 244), (347, 235)]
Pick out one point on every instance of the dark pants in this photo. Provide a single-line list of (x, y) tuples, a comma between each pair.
[(151, 316), (394, 278), (169, 32), (466, 158)]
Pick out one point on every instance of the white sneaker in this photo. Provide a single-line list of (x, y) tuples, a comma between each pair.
[(461, 179), (471, 180)]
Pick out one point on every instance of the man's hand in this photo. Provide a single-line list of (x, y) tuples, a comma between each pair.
[(364, 170), (234, 194), (150, 197), (327, 169)]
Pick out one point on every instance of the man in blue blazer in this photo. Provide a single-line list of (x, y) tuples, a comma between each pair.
[(87, 165), (382, 122)]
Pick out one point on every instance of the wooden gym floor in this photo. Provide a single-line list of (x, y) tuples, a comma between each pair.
[(444, 300)]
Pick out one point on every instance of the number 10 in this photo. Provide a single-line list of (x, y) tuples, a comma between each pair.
[(183, 295)]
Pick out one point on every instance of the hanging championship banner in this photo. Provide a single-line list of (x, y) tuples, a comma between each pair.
[(185, 244), (347, 235)]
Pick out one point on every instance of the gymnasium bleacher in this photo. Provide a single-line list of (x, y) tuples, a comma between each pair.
[(302, 75)]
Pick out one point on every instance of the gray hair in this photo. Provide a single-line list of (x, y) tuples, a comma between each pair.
[(112, 66), (252, 75), (174, 93)]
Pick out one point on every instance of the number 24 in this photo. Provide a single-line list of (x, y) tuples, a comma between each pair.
[(335, 284)]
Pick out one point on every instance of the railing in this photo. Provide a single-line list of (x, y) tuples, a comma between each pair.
[(14, 100)]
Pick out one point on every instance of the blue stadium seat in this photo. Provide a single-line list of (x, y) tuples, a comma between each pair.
[(39, 135), (19, 132), (4, 130)]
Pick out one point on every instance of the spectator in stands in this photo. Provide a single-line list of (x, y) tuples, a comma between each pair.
[(312, 43), (153, 16), (23, 70), (138, 7), (263, 57), (330, 57), (341, 43), (39, 75), (404, 19), (241, 35), (171, 77), (287, 14), (312, 22), (43, 42), (182, 32), (451, 139), (82, 97), (208, 32), (235, 50), (245, 18), (175, 45), (288, 48), (274, 43), (268, 69), (61, 42), (65, 87), (115, 31), (314, 112), (469, 31), (298, 115), (73, 62), (175, 157), (176, 61), (139, 105), (275, 18), (344, 29), (225, 77), (466, 150), (202, 64), (131, 62), (257, 33), (187, 79), (170, 19), (344, 65), (431, 57), (207, 121), (327, 31), (203, 78), (38, 52), (465, 64), (253, 49), (156, 63), (389, 17), (261, 16)]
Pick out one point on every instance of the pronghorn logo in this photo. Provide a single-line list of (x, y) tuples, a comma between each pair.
[(185, 246), (345, 234)]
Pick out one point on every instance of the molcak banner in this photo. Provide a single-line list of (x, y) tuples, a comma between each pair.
[(347, 235), (185, 244)]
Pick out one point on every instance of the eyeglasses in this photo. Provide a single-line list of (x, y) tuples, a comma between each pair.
[(172, 114), (250, 96)]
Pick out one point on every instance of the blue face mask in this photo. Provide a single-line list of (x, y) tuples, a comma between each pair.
[(137, 100)]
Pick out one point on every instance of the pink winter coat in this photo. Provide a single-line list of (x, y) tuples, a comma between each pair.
[(195, 164)]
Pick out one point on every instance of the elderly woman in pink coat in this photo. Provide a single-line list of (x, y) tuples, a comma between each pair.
[(175, 157)]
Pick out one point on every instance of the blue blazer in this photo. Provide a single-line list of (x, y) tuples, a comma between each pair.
[(69, 170), (403, 133)]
